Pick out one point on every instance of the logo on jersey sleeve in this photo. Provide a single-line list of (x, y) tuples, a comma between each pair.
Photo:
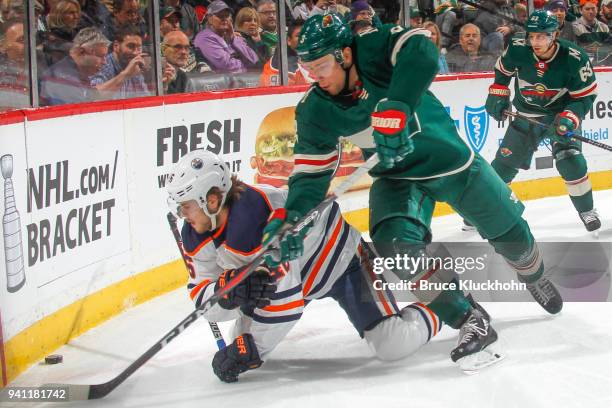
[(476, 122)]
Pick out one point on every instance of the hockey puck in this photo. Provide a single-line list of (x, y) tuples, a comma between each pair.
[(54, 359)]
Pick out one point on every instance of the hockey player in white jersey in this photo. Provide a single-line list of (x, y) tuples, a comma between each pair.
[(224, 221)]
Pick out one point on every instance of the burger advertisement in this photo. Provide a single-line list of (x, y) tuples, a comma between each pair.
[(274, 143)]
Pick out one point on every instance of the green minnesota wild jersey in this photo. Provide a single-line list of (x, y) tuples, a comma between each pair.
[(566, 81), (394, 63)]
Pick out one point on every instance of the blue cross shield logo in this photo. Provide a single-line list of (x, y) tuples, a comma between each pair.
[(476, 122)]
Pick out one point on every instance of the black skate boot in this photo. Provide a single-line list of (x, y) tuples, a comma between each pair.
[(476, 346), (545, 293), (477, 306), (590, 219)]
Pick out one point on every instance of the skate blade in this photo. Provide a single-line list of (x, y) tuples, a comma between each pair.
[(473, 363)]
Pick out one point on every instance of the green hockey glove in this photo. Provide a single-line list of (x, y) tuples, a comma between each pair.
[(291, 246), (498, 101), (564, 125), (390, 120)]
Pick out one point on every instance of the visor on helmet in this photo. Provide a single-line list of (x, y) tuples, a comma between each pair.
[(321, 67)]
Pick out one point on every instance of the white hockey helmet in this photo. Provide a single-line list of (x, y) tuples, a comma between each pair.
[(193, 177)]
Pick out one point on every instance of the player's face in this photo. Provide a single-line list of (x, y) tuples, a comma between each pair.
[(327, 72), (194, 215), (541, 43)]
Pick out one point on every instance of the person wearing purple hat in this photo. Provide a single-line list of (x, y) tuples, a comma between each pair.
[(361, 16), (226, 51), (559, 9), (360, 10)]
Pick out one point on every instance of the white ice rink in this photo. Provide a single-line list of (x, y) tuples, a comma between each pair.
[(562, 361)]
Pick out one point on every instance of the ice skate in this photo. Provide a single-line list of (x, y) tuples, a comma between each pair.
[(477, 346), (591, 221), (546, 294)]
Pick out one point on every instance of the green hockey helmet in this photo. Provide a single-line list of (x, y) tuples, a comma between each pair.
[(541, 21), (322, 35)]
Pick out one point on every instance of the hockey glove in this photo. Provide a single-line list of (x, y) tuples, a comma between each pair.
[(498, 101), (254, 291), (238, 357), (291, 246), (564, 125), (390, 120)]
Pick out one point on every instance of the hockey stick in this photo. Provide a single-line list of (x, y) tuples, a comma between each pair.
[(571, 134), (189, 265), (80, 392), (497, 13)]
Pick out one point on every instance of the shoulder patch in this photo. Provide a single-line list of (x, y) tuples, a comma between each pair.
[(519, 42)]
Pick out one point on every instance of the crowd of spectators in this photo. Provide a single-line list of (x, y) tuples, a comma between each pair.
[(88, 50)]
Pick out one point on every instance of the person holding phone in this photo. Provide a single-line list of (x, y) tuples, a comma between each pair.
[(126, 68)]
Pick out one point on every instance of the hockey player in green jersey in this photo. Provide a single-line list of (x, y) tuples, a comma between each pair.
[(554, 83), (373, 89)]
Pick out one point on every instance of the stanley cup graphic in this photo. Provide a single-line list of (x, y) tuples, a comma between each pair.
[(11, 225)]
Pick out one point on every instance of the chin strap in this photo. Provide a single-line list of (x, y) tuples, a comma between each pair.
[(347, 70)]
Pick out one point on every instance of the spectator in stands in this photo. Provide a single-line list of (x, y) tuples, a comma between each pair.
[(169, 20), (12, 10), (302, 9), (125, 13), (188, 18), (435, 38), (93, 14), (62, 22), (361, 16), (270, 75), (447, 21), (122, 75), (416, 18), (68, 81), (330, 6), (496, 27), (466, 57), (176, 52), (606, 13), (247, 25), (559, 9), (222, 48), (267, 19), (590, 32), (12, 59), (520, 10)]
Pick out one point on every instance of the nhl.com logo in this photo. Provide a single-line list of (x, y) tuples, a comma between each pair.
[(476, 123)]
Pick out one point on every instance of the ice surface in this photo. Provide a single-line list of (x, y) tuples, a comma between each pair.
[(562, 361)]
